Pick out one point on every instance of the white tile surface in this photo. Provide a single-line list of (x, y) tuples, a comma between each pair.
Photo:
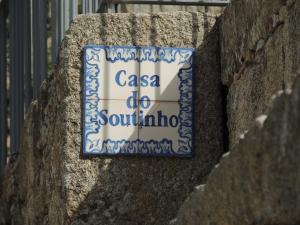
[(109, 86), (116, 123), (157, 129), (169, 80), (109, 124)]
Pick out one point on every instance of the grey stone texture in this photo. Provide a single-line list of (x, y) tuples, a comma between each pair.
[(260, 54), (258, 182), (253, 50), (51, 183), (143, 8)]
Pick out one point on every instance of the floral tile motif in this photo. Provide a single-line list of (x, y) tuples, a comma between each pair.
[(111, 73), (165, 119), (138, 101), (111, 127), (162, 78)]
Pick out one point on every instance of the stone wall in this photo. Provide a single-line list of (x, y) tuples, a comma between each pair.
[(141, 8), (260, 54), (254, 50), (51, 183), (32, 189), (258, 181)]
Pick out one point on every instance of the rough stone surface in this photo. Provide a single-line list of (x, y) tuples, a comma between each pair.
[(260, 55), (51, 183), (258, 182), (32, 190), (141, 8)]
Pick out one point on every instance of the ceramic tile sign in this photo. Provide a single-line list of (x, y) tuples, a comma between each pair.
[(138, 101)]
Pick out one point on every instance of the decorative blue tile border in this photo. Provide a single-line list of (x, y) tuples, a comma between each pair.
[(161, 147)]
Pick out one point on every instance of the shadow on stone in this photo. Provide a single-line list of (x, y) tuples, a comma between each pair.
[(140, 190), (258, 181)]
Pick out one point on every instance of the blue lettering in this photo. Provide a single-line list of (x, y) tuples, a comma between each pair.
[(103, 118), (144, 80), (114, 120), (123, 123), (147, 121), (118, 79), (155, 81), (157, 119), (133, 81), (132, 100), (173, 121), (161, 116), (145, 102), (134, 119)]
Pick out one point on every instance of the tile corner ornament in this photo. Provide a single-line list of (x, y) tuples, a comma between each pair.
[(138, 101)]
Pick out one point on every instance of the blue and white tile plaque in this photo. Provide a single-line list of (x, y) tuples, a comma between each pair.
[(138, 101)]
